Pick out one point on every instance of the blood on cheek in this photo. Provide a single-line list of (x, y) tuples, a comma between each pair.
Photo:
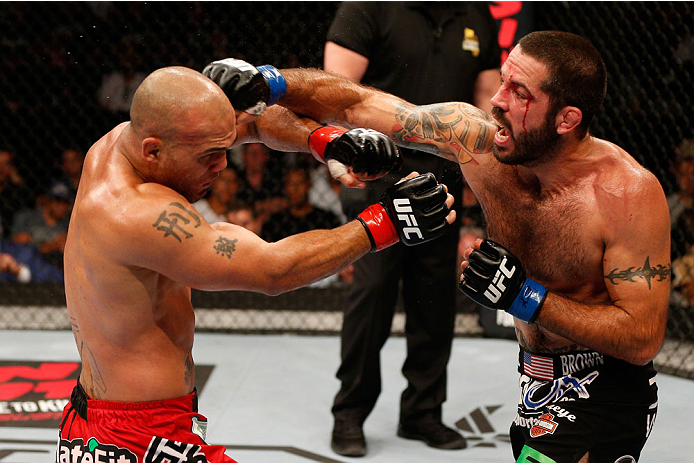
[(527, 108)]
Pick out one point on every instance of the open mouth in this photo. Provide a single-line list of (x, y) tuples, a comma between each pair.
[(502, 134)]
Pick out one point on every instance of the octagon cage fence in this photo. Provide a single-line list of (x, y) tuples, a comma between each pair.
[(63, 65)]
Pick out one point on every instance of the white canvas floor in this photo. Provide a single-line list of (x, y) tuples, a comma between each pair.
[(268, 399)]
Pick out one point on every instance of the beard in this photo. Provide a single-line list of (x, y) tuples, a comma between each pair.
[(532, 147)]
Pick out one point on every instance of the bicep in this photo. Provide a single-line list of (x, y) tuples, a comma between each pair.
[(636, 263), (173, 240)]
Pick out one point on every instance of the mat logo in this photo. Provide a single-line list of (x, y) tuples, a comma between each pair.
[(404, 210), (76, 451), (536, 393), (34, 393), (162, 450), (545, 424), (478, 429)]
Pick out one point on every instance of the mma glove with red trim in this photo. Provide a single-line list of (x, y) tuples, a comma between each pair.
[(412, 211), (250, 89), (495, 279), (370, 153)]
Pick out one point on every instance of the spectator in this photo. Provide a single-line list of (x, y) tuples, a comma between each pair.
[(243, 215), (300, 216), (681, 202), (221, 197), (325, 192), (118, 87), (71, 162), (14, 195), (262, 181), (402, 48), (46, 226)]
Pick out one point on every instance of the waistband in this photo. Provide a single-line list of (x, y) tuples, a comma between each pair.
[(81, 402), (553, 366)]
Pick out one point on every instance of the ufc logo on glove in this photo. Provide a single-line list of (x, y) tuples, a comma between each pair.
[(497, 287), (404, 210)]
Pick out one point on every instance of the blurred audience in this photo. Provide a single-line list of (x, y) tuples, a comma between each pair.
[(71, 162), (45, 226), (222, 196), (262, 178), (681, 204), (118, 87), (300, 215), (244, 215), (15, 195)]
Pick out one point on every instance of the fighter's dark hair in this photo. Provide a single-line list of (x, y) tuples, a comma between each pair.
[(577, 74)]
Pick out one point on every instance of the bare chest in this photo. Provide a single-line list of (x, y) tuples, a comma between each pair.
[(556, 238)]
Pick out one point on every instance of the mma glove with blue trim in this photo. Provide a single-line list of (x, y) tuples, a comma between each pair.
[(495, 279)]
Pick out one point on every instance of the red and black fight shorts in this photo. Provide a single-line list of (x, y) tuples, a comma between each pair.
[(168, 431), (582, 402)]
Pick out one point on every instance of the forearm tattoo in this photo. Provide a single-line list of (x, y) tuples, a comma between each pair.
[(658, 273), (438, 128), (225, 247), (177, 221)]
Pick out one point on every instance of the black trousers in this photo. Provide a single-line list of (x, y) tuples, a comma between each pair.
[(428, 274)]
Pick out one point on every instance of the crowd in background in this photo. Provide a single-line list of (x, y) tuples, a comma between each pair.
[(69, 71)]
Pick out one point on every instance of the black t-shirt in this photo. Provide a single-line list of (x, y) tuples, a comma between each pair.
[(424, 52)]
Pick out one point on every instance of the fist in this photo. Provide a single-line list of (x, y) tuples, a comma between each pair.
[(494, 278), (418, 207), (248, 88), (371, 154)]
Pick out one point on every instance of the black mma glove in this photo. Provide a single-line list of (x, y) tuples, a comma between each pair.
[(495, 279), (248, 88), (368, 152), (412, 211)]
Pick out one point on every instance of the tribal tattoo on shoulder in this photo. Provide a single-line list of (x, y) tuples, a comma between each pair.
[(436, 128), (658, 273), (177, 221)]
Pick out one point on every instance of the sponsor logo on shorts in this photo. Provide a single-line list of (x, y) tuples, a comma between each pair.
[(76, 451), (536, 394), (545, 424), (162, 450), (571, 363), (199, 427)]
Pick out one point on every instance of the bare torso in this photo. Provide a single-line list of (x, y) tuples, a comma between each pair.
[(560, 235), (133, 327)]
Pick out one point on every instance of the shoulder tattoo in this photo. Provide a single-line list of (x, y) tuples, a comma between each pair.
[(177, 221), (438, 128), (659, 273)]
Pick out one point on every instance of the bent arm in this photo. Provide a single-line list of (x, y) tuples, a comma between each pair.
[(454, 131), (280, 129), (636, 268), (173, 240)]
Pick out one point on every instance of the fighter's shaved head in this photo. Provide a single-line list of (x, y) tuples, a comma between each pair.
[(171, 100)]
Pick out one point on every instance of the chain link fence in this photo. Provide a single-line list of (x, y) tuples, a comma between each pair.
[(69, 69)]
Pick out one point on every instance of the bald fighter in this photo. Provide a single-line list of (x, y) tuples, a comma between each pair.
[(579, 249), (136, 246)]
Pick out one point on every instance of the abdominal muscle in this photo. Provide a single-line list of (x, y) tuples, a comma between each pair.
[(135, 341)]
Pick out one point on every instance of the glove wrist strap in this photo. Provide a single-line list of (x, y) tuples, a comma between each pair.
[(318, 140), (527, 304), (379, 227), (278, 86)]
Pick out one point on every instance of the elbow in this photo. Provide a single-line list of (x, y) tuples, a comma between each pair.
[(646, 351)]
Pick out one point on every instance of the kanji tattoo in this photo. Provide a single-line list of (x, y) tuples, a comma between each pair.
[(177, 222), (225, 247)]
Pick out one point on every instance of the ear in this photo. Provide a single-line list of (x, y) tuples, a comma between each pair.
[(151, 147), (568, 119)]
